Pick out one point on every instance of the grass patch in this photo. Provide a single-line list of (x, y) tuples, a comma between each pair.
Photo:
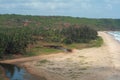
[(44, 61), (97, 43), (41, 50), (38, 49), (83, 68), (94, 43), (77, 45)]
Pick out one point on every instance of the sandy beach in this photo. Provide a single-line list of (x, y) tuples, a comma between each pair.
[(102, 63)]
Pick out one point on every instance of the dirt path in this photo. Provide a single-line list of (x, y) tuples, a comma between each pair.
[(101, 63)]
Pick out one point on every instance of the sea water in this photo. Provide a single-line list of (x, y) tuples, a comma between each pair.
[(115, 34)]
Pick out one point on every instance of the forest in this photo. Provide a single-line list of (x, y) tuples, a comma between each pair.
[(57, 22), (18, 32)]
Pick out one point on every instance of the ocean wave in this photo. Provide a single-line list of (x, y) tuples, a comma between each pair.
[(115, 34)]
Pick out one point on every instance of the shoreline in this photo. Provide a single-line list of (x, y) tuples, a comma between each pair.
[(100, 63), (113, 36)]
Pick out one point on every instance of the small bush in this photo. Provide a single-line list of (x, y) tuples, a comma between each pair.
[(99, 42)]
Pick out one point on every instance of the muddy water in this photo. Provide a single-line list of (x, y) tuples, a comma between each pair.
[(14, 72)]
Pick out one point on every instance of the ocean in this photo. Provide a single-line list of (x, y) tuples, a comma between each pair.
[(115, 34)]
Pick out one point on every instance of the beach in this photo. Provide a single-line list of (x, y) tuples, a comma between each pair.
[(97, 63)]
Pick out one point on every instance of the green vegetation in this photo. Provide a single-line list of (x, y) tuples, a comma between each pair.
[(53, 22), (41, 51), (28, 34), (98, 42), (14, 40), (44, 61), (78, 35), (93, 43)]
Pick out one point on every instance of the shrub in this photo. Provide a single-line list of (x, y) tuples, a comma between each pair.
[(14, 41), (78, 34)]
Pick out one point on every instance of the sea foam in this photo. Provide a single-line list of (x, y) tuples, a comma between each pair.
[(115, 34)]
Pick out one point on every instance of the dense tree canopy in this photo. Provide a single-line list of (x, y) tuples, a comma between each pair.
[(79, 34), (14, 40)]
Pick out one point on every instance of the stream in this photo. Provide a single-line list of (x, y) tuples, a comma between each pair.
[(14, 72)]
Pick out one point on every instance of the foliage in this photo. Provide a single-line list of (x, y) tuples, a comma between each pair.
[(44, 61), (78, 34), (41, 50), (98, 42), (57, 22), (14, 40), (17, 32)]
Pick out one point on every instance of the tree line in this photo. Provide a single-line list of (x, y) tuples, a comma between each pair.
[(15, 40), (18, 31), (13, 20)]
